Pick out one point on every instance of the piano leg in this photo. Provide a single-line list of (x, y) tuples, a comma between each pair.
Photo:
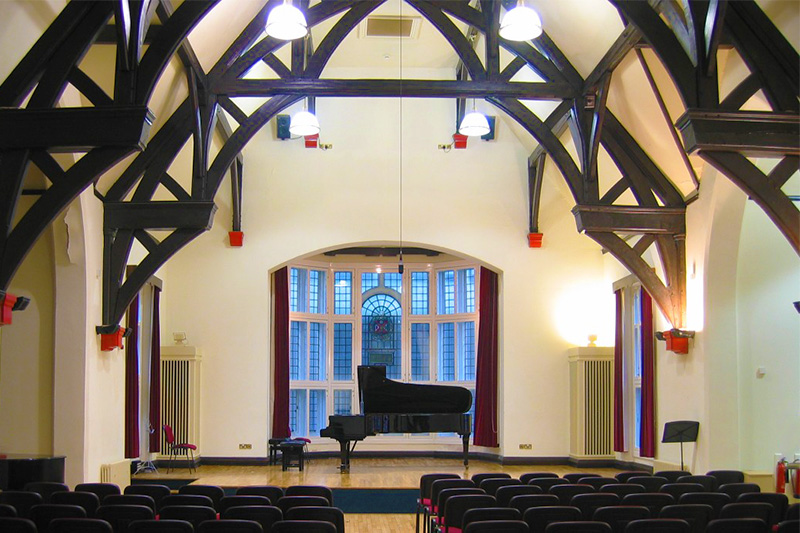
[(465, 442), (344, 452)]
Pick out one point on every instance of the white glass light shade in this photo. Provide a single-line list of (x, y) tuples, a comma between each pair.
[(474, 125), (304, 123), (521, 24), (286, 22)]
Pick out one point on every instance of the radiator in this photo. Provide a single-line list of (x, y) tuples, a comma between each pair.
[(180, 395), (118, 473), (591, 402)]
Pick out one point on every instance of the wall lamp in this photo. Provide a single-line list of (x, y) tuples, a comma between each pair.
[(677, 339)]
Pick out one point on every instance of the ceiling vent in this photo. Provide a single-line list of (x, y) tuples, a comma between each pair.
[(388, 26)]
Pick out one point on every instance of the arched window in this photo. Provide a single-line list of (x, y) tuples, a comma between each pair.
[(381, 333)]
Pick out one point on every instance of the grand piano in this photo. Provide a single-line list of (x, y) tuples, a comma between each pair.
[(393, 407)]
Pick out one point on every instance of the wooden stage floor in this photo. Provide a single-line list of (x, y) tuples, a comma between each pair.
[(364, 473)]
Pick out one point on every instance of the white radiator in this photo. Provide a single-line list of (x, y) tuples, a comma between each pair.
[(118, 473), (591, 371), (180, 396)]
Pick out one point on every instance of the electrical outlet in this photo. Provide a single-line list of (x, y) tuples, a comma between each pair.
[(245, 446), (526, 446)]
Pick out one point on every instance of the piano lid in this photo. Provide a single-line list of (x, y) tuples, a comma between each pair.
[(382, 395)]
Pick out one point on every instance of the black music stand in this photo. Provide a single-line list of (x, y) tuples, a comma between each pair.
[(681, 431)]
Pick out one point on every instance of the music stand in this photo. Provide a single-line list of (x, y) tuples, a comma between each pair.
[(681, 431)]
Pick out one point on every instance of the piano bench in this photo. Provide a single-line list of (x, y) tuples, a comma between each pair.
[(292, 454), (274, 446)]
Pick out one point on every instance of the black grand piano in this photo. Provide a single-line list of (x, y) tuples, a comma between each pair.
[(392, 407)]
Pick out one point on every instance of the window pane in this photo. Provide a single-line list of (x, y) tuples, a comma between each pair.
[(317, 338), (394, 281), (342, 352), (316, 412), (298, 290), (447, 368), (420, 352), (467, 285), (466, 351), (343, 402), (381, 334), (298, 350), (342, 293), (317, 291), (297, 412), (446, 292), (369, 280), (419, 293)]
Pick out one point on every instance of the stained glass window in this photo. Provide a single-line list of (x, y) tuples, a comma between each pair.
[(381, 334)]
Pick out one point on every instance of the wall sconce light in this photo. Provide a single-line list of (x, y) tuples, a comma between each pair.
[(677, 339), (179, 337)]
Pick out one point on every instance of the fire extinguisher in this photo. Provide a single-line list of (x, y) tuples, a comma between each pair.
[(780, 477), (796, 482)]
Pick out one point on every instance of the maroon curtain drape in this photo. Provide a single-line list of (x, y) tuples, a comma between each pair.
[(486, 368), (155, 374), (647, 446), (280, 407), (619, 392), (132, 382)]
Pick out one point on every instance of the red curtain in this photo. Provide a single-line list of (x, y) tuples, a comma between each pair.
[(486, 371), (132, 382), (647, 446), (280, 407), (155, 374), (619, 392)]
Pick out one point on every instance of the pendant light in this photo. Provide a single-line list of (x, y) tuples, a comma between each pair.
[(521, 23), (286, 22), (474, 124)]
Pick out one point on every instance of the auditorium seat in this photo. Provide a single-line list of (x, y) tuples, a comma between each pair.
[(536, 475), (538, 518), (650, 483), (310, 490), (185, 499), (709, 483), (727, 476), (788, 526), (623, 489), (672, 475), (490, 513), (618, 516), (504, 494), (698, 515), (80, 525), (652, 500), (446, 494), (491, 485), (735, 489), (779, 503), (575, 477), (101, 489), (588, 503), (477, 478), (46, 488), (212, 491), (441, 484), (597, 482), (88, 500), (44, 513), (523, 502), (119, 516), (623, 477), (676, 489), (287, 502), (229, 526), (717, 500), (760, 510), (195, 514), (161, 526), (241, 499), (793, 512), (270, 491), (7, 511), (130, 499), (578, 527), (566, 492), (545, 483), (456, 506), (497, 526), (303, 526), (21, 501), (333, 515), (424, 505), (657, 525), (266, 515), (737, 525), (10, 524), (155, 491)]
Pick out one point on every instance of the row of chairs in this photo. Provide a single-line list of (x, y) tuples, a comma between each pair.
[(507, 492), (96, 525), (91, 495), (193, 504)]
